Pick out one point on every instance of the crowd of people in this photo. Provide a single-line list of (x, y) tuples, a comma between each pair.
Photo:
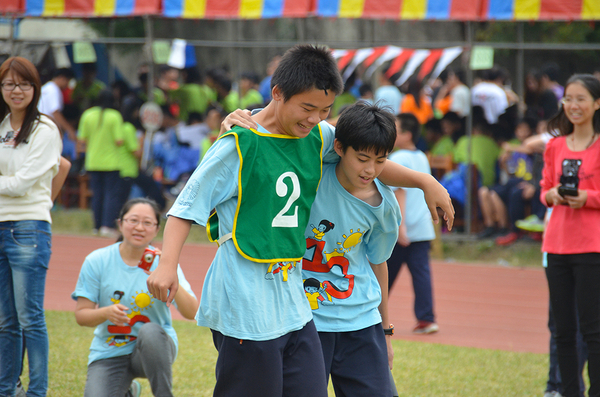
[(324, 285)]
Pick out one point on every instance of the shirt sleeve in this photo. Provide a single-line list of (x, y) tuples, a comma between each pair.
[(88, 283), (212, 183), (548, 178), (183, 283), (44, 154), (384, 236)]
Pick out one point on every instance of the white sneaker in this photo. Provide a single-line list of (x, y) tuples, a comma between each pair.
[(426, 327), (108, 232), (135, 390), (20, 390), (552, 394)]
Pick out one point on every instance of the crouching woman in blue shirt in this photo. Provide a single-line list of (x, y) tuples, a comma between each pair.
[(134, 336)]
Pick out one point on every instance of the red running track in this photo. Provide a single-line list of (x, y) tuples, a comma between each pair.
[(481, 306)]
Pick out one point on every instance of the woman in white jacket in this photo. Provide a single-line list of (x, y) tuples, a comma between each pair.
[(30, 147)]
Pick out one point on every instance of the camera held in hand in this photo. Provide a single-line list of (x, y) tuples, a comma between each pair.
[(569, 179), (147, 259)]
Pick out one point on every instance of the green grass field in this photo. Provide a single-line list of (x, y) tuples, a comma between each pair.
[(420, 369)]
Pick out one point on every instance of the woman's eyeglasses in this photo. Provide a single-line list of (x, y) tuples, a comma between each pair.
[(135, 222), (24, 86)]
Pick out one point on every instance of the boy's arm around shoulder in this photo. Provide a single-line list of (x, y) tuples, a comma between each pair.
[(163, 282), (435, 194)]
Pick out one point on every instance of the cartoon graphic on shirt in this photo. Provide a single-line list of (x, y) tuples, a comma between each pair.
[(324, 227), (285, 268), (117, 295), (317, 260), (316, 293), (141, 301), (119, 340)]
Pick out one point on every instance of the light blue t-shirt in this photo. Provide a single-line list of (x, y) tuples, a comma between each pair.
[(388, 97), (345, 234), (106, 280), (240, 298), (417, 218)]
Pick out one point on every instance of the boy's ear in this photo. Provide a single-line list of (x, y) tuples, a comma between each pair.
[(276, 94), (337, 146)]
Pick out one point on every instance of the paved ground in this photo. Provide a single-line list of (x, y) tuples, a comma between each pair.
[(481, 306)]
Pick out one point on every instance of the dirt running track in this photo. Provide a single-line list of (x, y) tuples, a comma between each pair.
[(479, 306)]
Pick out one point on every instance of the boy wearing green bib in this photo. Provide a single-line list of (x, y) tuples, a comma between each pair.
[(262, 179)]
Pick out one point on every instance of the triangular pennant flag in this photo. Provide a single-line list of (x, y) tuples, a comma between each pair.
[(398, 63), (161, 50), (377, 52), (390, 52), (337, 54), (429, 62), (83, 52), (359, 57), (345, 60), (448, 55), (412, 65), (61, 57), (177, 56), (190, 56)]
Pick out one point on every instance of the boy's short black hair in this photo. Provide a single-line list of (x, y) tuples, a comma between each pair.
[(366, 127), (434, 125), (252, 76), (452, 117), (410, 123), (364, 89), (304, 67), (531, 122), (64, 72), (195, 117), (89, 67)]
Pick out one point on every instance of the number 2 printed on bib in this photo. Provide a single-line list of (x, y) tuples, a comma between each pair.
[(282, 220)]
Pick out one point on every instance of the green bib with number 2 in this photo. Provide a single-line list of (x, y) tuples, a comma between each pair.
[(277, 184)]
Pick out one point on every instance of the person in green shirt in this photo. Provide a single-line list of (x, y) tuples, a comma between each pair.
[(101, 131), (484, 152), (88, 88), (345, 98), (250, 96), (192, 96), (130, 151), (439, 145)]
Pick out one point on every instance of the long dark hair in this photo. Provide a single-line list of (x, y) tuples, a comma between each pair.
[(414, 88), (559, 125), (26, 71)]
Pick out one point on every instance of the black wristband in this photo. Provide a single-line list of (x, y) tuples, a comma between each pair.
[(389, 331)]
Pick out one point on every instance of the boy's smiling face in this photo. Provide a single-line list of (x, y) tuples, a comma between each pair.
[(302, 112), (358, 169)]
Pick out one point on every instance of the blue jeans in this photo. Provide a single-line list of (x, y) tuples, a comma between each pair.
[(25, 248)]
